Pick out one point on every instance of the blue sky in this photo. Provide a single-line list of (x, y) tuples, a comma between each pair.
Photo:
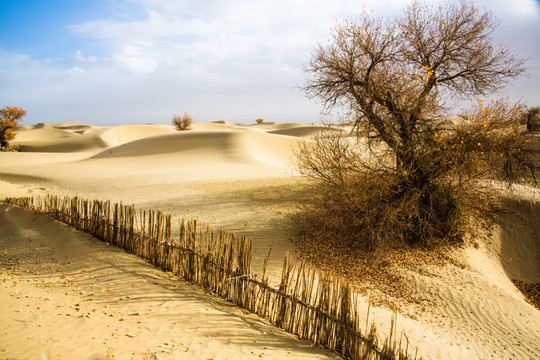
[(108, 62)]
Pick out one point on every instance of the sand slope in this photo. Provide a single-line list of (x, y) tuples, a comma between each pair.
[(238, 146), (479, 306), (239, 178), (66, 295)]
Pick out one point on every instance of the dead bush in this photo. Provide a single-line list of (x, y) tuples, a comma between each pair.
[(182, 122), (532, 118), (364, 200)]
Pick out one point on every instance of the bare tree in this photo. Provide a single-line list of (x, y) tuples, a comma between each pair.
[(393, 76)]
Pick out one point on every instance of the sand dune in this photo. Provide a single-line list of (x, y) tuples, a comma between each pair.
[(39, 142), (72, 126), (43, 134), (304, 131), (279, 126), (236, 146), (479, 305), (239, 178), (72, 137), (215, 125), (224, 122), (520, 259), (123, 134)]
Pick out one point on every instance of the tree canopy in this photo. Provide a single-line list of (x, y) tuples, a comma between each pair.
[(393, 73)]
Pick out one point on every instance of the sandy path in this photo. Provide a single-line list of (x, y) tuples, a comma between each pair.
[(68, 295)]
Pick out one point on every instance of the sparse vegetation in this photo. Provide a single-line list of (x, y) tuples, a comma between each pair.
[(259, 121), (532, 118), (9, 119), (405, 174), (182, 122)]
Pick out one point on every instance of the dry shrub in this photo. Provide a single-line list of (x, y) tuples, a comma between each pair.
[(375, 212), (532, 119), (259, 121), (182, 122), (366, 201)]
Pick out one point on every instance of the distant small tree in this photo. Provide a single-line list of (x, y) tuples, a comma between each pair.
[(259, 120), (9, 119), (182, 122)]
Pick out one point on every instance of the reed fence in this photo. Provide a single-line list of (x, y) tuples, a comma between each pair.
[(314, 305)]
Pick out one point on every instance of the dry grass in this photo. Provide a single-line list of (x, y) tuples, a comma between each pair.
[(182, 122)]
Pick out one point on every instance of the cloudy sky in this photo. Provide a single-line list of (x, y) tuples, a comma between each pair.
[(109, 62)]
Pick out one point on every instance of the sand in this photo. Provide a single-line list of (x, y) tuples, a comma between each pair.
[(68, 296), (71, 296)]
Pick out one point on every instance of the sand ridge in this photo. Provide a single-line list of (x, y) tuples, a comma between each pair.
[(241, 178)]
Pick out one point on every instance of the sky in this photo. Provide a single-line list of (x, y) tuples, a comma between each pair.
[(110, 62)]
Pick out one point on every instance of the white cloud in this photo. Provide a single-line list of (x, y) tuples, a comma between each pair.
[(232, 33), (79, 57), (76, 70), (137, 56)]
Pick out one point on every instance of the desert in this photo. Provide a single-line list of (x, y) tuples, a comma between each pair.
[(67, 295), (402, 223)]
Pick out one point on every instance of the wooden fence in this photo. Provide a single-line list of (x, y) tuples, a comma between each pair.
[(314, 305)]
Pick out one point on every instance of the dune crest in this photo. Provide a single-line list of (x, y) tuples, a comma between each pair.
[(122, 134)]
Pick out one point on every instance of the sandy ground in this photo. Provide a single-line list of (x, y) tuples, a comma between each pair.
[(74, 297), (68, 296)]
